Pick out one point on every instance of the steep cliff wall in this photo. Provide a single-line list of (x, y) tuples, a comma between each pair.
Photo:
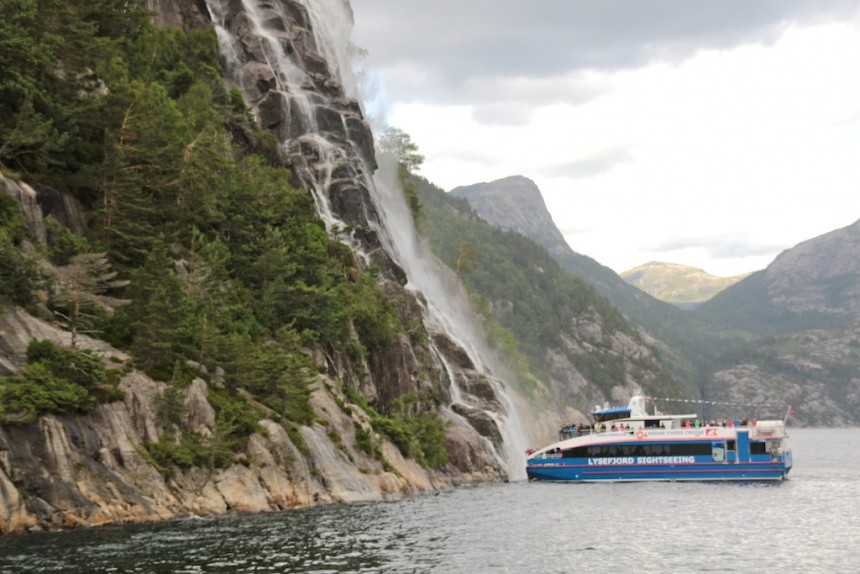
[(95, 468), (291, 61)]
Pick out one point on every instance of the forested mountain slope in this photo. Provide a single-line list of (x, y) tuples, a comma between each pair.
[(804, 310), (570, 335), (688, 343), (180, 331)]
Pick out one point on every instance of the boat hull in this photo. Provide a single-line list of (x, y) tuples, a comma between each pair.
[(705, 471)]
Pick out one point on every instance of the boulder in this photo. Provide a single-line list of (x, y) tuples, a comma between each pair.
[(28, 204), (481, 421)]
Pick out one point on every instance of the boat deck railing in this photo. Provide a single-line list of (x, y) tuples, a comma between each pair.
[(573, 430)]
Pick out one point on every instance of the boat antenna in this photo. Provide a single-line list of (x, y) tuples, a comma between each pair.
[(789, 411)]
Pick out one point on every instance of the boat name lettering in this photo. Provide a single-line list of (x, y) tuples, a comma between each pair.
[(684, 432), (611, 460), (642, 460), (665, 460)]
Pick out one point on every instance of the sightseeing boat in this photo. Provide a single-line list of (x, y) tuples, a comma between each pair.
[(628, 444)]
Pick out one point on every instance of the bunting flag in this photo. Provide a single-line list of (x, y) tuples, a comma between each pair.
[(719, 403)]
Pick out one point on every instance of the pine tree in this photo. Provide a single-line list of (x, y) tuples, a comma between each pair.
[(81, 285), (161, 315)]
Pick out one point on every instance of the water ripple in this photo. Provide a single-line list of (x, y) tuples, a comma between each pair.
[(808, 523)]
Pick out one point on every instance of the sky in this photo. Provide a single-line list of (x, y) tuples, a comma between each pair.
[(714, 134)]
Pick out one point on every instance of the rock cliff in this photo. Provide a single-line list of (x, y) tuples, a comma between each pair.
[(813, 284), (289, 59), (94, 468), (515, 203)]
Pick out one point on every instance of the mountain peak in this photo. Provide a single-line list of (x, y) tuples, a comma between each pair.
[(514, 203), (676, 283), (511, 183)]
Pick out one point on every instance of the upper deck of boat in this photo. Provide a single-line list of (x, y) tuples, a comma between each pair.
[(632, 422)]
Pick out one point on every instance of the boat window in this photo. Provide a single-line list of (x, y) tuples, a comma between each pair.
[(690, 448), (730, 445), (640, 449), (758, 448), (609, 417)]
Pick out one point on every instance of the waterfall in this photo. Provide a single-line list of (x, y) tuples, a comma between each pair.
[(292, 60), (449, 307)]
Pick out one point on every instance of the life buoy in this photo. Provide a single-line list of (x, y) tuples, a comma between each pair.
[(641, 434)]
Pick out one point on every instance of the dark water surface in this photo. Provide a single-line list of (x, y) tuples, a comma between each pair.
[(809, 523)]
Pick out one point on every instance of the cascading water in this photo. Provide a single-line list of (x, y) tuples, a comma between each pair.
[(448, 305), (292, 60)]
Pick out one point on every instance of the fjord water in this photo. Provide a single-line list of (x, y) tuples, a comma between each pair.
[(809, 523)]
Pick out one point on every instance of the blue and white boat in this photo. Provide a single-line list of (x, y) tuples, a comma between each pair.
[(627, 444)]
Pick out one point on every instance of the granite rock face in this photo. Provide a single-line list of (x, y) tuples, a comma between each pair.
[(820, 275), (93, 468), (272, 53), (29, 206), (514, 203), (286, 57)]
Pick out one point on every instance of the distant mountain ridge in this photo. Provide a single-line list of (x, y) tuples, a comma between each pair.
[(790, 332), (516, 203), (814, 284), (805, 310), (680, 285)]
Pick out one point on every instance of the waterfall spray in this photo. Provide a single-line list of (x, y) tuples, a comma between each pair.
[(309, 98)]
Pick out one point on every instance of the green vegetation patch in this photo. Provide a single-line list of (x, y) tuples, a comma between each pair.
[(420, 436), (528, 301), (56, 381)]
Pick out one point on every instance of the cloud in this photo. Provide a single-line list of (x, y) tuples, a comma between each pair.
[(513, 100), (728, 126), (721, 247), (503, 114), (438, 51), (594, 164)]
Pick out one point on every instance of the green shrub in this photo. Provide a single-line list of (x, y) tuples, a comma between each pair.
[(235, 420), (38, 391), (419, 436), (365, 443), (56, 381), (298, 440), (184, 451), (20, 274)]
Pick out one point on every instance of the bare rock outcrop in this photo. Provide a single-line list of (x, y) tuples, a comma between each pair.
[(28, 204), (95, 468), (92, 469)]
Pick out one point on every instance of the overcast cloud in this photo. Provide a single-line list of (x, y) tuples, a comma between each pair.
[(708, 133), (597, 163), (448, 50)]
